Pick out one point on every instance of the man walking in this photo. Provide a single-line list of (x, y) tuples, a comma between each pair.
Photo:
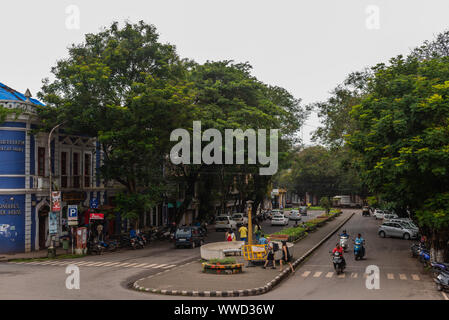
[(243, 233)]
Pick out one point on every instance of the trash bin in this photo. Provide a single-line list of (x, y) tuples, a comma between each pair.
[(65, 244)]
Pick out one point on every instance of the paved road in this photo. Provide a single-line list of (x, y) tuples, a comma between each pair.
[(109, 276), (401, 276)]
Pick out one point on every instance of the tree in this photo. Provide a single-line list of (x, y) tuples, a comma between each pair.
[(326, 204), (129, 90), (402, 140)]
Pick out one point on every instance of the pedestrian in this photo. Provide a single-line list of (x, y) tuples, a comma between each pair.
[(286, 256), (228, 236), (257, 231), (233, 235), (262, 239), (270, 257), (243, 233), (100, 231)]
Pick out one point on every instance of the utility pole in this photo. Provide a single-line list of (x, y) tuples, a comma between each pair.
[(51, 249), (250, 222)]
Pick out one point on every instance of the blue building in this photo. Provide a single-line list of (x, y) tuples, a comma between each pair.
[(24, 175)]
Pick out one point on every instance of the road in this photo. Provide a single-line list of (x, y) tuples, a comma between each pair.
[(109, 276)]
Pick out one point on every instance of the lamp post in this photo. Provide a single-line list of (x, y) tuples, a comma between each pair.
[(250, 222), (51, 249)]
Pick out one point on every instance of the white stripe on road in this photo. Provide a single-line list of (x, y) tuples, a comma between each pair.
[(132, 264), (354, 275), (151, 266), (109, 264), (329, 275), (102, 264), (92, 264), (170, 266), (82, 263), (415, 277), (306, 273), (402, 276), (444, 295), (161, 265), (122, 265), (343, 275), (140, 265), (317, 274), (390, 276)]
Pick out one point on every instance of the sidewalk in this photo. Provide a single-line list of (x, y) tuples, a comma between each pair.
[(31, 255), (190, 280)]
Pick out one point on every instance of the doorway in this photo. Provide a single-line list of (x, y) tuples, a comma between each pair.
[(43, 217)]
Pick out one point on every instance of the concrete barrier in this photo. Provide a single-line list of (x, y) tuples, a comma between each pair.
[(215, 250)]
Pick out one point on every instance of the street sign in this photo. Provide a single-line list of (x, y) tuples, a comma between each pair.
[(72, 212), (96, 216), (94, 203), (73, 222)]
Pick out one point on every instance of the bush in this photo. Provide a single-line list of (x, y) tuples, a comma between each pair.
[(222, 261)]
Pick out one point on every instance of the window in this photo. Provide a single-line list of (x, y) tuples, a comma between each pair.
[(63, 169), (76, 170), (87, 170), (41, 162)]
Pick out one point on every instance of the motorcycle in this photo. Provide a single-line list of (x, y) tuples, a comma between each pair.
[(337, 260), (438, 267), (442, 281), (136, 243), (344, 242), (359, 250), (95, 248), (416, 249), (424, 257), (109, 246)]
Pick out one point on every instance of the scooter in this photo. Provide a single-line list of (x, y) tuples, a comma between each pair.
[(359, 250), (337, 260), (416, 249), (95, 247), (136, 243), (442, 281), (438, 267), (110, 246), (424, 257), (344, 243)]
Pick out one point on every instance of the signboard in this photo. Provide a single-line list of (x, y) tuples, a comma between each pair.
[(96, 216), (94, 203), (53, 223), (72, 212), (73, 222), (56, 201), (74, 196)]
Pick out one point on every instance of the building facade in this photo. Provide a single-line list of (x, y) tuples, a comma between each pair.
[(24, 175)]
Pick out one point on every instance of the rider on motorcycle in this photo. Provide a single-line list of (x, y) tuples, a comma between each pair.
[(344, 234), (361, 241), (339, 249)]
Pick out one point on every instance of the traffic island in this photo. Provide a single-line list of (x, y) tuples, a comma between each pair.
[(190, 280)]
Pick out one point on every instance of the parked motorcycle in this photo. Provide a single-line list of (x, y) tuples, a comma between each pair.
[(442, 281), (111, 245), (438, 267), (94, 248), (337, 260), (416, 249), (424, 257)]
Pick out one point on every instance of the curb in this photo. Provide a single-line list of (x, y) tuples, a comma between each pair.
[(247, 292)]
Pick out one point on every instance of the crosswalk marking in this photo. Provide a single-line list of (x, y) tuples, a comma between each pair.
[(402, 276), (169, 266), (354, 275), (82, 263), (109, 264), (306, 273), (329, 275), (415, 277), (132, 264), (140, 265), (151, 266), (161, 265), (343, 275), (317, 274), (102, 264), (122, 265), (390, 276)]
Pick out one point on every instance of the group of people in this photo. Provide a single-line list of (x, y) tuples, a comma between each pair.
[(281, 254)]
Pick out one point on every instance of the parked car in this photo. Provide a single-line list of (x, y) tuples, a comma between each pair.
[(225, 223), (365, 212), (295, 215), (406, 222), (240, 219), (279, 220), (389, 216), (303, 210), (379, 214), (189, 237), (395, 229)]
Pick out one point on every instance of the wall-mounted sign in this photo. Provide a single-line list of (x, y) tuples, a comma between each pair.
[(9, 209), (56, 200), (94, 203), (53, 223), (74, 196), (97, 216), (72, 212)]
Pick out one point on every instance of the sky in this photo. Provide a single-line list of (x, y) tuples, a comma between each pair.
[(305, 46)]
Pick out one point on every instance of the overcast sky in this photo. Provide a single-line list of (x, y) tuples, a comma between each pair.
[(305, 46)]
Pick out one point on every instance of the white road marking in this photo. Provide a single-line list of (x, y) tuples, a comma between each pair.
[(93, 264), (306, 274), (169, 266), (445, 296), (343, 275), (354, 275), (111, 264), (122, 265), (390, 276), (151, 266), (329, 275), (161, 265), (132, 264), (415, 277), (140, 265), (83, 263), (402, 276), (102, 264)]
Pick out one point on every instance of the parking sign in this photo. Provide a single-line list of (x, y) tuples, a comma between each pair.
[(94, 203), (72, 212)]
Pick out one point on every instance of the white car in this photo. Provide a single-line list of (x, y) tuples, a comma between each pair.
[(389, 216), (295, 215), (279, 220), (379, 214), (225, 223), (240, 219)]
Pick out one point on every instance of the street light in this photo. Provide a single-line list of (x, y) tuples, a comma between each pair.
[(51, 249), (250, 222)]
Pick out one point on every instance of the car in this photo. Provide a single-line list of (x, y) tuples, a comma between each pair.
[(225, 223), (303, 210), (189, 237), (279, 220), (389, 216), (395, 229), (406, 222), (379, 214), (295, 215), (240, 219), (274, 212)]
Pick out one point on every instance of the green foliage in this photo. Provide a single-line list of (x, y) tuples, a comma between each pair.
[(222, 261), (325, 203), (292, 232)]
